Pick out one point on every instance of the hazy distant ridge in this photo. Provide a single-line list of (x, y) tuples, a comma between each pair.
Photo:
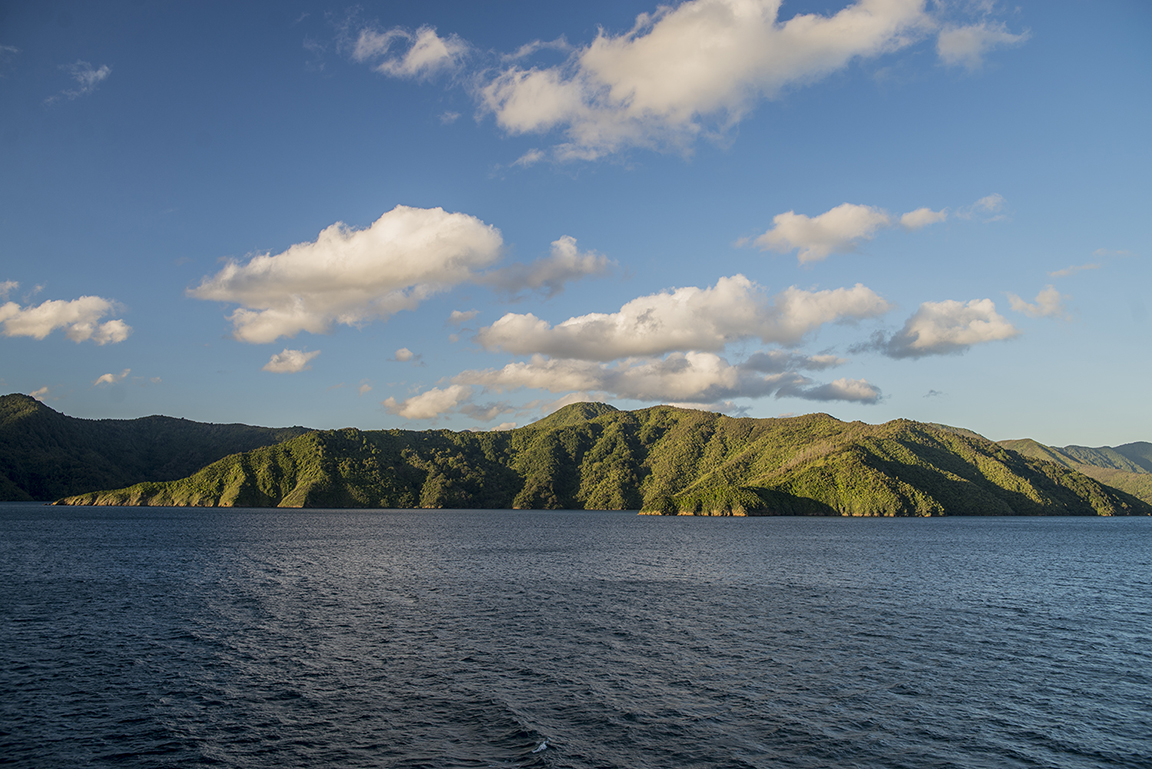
[(1127, 467), (661, 459)]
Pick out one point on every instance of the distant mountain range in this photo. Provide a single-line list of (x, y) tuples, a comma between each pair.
[(45, 455), (1127, 467), (585, 456)]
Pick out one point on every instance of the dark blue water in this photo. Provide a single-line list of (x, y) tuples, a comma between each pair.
[(152, 637)]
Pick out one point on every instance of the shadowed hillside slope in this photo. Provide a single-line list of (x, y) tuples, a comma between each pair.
[(45, 455), (1127, 467), (659, 460)]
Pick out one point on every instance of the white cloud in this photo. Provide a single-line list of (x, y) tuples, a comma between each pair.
[(112, 378), (404, 354), (683, 71), (427, 52), (549, 275), (966, 46), (40, 394), (7, 287), (840, 229), (922, 217), (429, 404), (695, 377), (79, 318), (941, 328), (352, 276), (684, 319), (504, 426), (290, 361), (459, 317), (1048, 303), (364, 387)]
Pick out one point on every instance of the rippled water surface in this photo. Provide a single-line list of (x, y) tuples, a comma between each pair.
[(152, 637)]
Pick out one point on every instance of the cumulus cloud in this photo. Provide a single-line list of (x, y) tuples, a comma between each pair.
[(460, 317), (364, 387), (426, 52), (40, 394), (840, 229), (1048, 303), (922, 217), (8, 287), (681, 71), (429, 404), (290, 361), (948, 327), (549, 275), (351, 276), (697, 377), (112, 378), (966, 46), (86, 77), (79, 318), (691, 318)]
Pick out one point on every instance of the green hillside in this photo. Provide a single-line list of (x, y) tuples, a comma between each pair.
[(1127, 467), (45, 455), (659, 460)]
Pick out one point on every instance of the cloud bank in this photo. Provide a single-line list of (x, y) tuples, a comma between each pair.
[(691, 318), (682, 71)]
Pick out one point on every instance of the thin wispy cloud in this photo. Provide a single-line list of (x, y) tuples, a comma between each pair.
[(86, 77), (1049, 303)]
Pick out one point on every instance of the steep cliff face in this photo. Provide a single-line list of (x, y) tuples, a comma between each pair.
[(661, 460)]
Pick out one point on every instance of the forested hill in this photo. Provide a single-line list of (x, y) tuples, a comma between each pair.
[(45, 455), (1127, 467), (661, 460)]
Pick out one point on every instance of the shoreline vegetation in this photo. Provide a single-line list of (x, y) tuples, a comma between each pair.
[(662, 460)]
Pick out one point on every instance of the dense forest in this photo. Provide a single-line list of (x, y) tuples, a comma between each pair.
[(662, 460)]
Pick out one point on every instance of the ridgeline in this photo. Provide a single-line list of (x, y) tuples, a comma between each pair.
[(660, 460), (1127, 467), (45, 455)]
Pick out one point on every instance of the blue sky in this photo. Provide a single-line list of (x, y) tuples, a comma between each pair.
[(467, 214)]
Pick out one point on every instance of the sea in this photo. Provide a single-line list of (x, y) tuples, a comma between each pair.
[(157, 637)]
